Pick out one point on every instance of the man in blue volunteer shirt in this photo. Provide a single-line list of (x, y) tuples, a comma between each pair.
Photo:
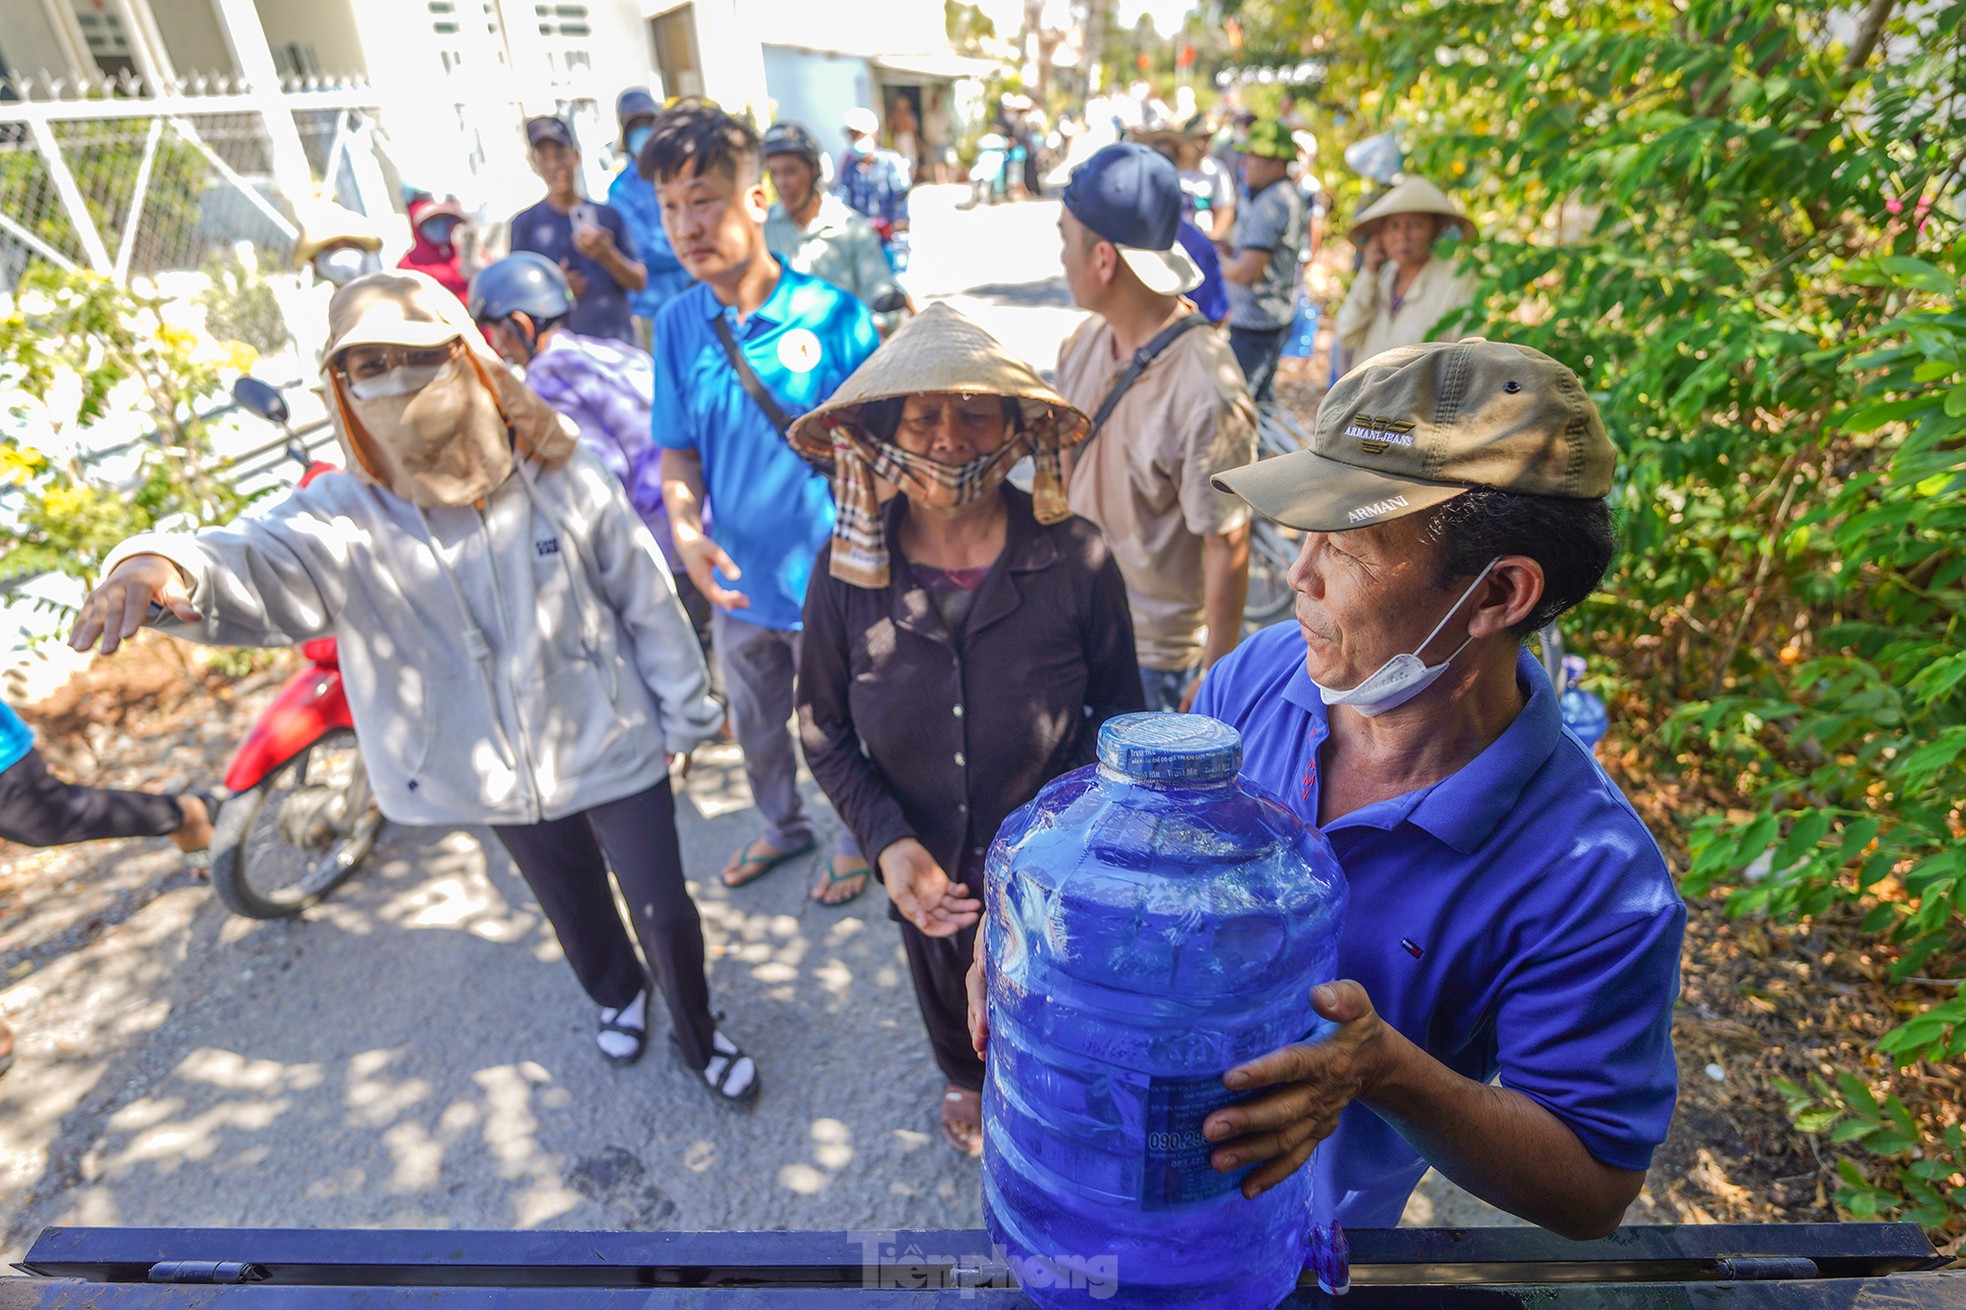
[(589, 241), (633, 197), (796, 339), (1510, 915)]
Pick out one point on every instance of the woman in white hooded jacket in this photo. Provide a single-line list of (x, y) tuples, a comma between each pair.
[(511, 643)]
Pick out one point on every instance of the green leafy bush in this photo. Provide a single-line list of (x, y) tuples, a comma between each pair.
[(72, 345), (1743, 230)]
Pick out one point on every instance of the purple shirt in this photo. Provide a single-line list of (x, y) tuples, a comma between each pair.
[(605, 387), (1514, 918)]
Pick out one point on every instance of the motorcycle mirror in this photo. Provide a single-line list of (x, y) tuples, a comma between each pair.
[(261, 398), (890, 302)]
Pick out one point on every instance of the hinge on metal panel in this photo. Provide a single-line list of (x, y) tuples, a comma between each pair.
[(972, 1272), (206, 1271), (1762, 1268)]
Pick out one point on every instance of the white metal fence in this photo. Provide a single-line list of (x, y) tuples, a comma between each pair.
[(92, 176)]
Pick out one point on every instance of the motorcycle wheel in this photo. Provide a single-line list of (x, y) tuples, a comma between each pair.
[(1271, 554), (298, 834)]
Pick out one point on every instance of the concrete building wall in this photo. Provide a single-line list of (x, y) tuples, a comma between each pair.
[(728, 58), (894, 26), (817, 89), (192, 37), (325, 30), (30, 43)]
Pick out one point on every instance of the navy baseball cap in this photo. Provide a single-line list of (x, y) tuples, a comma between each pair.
[(1130, 194), (547, 128), (635, 103)]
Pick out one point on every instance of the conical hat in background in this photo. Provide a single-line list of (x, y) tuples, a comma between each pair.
[(1413, 195), (941, 350), (323, 223)]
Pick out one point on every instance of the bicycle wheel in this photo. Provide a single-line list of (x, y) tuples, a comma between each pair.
[(289, 841), (1278, 431), (1271, 553)]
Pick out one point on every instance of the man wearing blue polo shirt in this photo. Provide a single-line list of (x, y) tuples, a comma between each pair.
[(633, 197), (748, 348), (1510, 915)]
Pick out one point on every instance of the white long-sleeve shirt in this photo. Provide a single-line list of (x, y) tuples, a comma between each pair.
[(1368, 324), (521, 660)]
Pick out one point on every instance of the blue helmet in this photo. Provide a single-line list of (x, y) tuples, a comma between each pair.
[(525, 283)]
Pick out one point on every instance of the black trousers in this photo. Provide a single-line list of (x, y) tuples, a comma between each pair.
[(697, 606), (1257, 350), (566, 863), (39, 809), (940, 966)]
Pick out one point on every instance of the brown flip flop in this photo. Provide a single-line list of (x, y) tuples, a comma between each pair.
[(962, 1120)]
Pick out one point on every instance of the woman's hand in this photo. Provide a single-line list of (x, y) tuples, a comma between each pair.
[(1375, 253), (978, 987), (121, 602), (923, 893)]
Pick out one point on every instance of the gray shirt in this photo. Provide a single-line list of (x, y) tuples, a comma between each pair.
[(1272, 220), (840, 247)]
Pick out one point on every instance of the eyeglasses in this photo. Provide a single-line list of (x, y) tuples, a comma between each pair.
[(360, 363)]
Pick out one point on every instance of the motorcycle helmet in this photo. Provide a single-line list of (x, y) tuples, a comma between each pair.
[(525, 283), (792, 139)]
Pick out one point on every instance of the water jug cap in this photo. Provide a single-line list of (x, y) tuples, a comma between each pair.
[(1170, 747)]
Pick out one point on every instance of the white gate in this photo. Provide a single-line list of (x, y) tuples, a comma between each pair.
[(132, 186)]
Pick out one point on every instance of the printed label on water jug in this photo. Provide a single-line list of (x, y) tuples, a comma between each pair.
[(1177, 1168)]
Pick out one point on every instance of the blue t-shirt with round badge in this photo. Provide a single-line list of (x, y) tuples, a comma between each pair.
[(16, 738), (771, 511)]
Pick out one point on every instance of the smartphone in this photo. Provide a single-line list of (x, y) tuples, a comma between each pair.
[(584, 215)]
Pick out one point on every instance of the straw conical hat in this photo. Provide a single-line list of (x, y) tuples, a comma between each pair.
[(1414, 195), (323, 223), (941, 350)]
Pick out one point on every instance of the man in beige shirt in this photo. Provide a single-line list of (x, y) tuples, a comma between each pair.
[(1182, 546)]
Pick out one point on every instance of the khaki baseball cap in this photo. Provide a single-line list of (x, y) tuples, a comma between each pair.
[(1417, 426)]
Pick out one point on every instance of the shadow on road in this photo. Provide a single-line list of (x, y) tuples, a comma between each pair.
[(416, 1053)]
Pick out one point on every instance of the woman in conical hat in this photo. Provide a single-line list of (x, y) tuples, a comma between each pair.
[(1404, 289), (963, 642)]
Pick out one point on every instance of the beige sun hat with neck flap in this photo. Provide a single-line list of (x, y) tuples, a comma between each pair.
[(941, 350), (1414, 195)]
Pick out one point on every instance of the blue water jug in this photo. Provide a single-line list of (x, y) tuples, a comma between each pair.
[(1301, 341), (1151, 922), (1582, 711)]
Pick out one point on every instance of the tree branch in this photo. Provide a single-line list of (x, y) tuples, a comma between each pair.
[(1869, 32)]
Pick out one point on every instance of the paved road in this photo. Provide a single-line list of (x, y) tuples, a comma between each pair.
[(417, 1053)]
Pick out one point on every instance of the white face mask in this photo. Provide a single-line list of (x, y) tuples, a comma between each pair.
[(1402, 677), (344, 264), (404, 380)]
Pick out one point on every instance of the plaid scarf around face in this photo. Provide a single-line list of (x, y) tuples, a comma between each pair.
[(860, 552)]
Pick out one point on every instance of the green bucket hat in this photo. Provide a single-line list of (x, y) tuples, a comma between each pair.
[(1271, 140)]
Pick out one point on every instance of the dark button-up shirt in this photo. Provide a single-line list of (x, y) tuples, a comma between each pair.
[(915, 731)]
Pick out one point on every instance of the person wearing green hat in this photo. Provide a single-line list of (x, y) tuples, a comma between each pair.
[(1259, 260)]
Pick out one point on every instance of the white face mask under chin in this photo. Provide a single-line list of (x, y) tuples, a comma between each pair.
[(1402, 677), (402, 381)]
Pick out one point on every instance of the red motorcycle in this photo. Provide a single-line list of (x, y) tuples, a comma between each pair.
[(300, 816)]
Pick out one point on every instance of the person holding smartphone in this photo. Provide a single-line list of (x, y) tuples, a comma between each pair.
[(588, 240)]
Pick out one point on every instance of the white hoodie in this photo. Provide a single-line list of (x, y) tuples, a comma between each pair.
[(523, 660)]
